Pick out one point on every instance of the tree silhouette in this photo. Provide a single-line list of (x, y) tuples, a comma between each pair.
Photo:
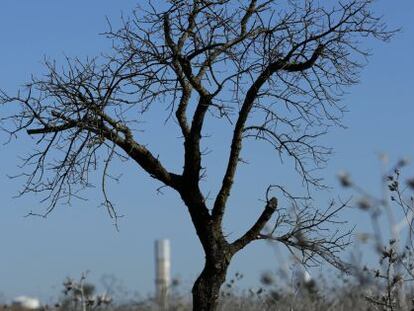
[(275, 72)]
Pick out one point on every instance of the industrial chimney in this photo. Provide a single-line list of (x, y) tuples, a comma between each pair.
[(162, 272)]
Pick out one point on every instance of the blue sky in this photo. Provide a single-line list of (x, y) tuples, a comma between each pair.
[(38, 254)]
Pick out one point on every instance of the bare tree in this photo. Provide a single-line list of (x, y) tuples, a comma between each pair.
[(275, 71)]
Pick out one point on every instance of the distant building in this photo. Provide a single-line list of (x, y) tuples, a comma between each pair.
[(25, 302), (162, 272)]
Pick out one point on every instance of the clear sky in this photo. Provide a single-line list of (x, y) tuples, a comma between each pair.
[(37, 254)]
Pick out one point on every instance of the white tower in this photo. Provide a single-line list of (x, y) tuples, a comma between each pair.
[(162, 272)]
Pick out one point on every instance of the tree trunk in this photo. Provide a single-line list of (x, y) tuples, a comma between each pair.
[(206, 289), (218, 252)]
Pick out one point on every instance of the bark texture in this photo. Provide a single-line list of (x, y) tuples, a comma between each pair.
[(206, 289)]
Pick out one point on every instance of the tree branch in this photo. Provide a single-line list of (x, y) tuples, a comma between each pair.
[(254, 232), (137, 152), (236, 144)]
